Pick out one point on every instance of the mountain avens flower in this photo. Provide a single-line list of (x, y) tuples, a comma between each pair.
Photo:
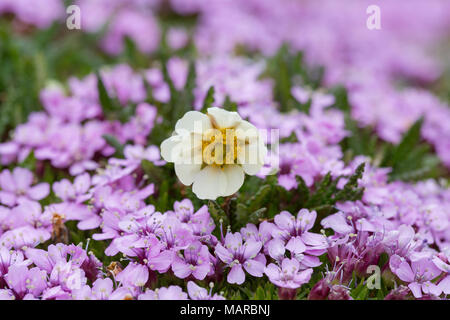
[(213, 151)]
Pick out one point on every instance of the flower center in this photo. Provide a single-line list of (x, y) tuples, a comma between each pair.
[(220, 147)]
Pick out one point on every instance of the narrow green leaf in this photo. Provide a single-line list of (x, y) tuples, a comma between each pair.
[(209, 99), (113, 142), (105, 101)]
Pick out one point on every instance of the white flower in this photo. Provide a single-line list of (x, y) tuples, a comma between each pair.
[(213, 151)]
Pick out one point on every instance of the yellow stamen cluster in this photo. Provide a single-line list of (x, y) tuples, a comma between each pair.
[(220, 147)]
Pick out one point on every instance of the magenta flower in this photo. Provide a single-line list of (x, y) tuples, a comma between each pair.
[(294, 231), (418, 274), (169, 293), (76, 192), (134, 275), (261, 233), (59, 253), (194, 261), (23, 281), (339, 292), (173, 234), (17, 186), (200, 222), (238, 255), (9, 258), (198, 293), (442, 262), (24, 236), (177, 38), (288, 274), (102, 289)]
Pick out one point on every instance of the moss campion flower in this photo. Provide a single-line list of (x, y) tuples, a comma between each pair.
[(213, 151)]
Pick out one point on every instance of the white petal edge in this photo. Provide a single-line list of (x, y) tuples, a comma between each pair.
[(187, 172), (210, 183), (252, 158), (223, 118), (235, 178), (193, 121), (171, 148)]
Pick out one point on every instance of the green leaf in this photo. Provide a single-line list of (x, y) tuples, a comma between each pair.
[(255, 216), (409, 141), (356, 292), (209, 99), (163, 196), (154, 173), (302, 190), (217, 213), (351, 192), (113, 142), (259, 199), (411, 159), (229, 105), (105, 101), (241, 214), (362, 295), (29, 162)]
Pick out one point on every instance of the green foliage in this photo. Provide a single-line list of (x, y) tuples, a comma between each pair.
[(229, 105), (19, 94), (323, 196), (112, 109), (113, 142), (411, 159), (29, 162), (218, 213), (106, 102), (181, 101), (288, 69), (209, 99), (361, 141), (361, 291)]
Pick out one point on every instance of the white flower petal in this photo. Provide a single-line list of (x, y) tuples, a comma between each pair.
[(223, 118), (171, 148), (252, 157), (193, 121), (210, 183), (191, 149), (187, 172), (251, 169), (246, 131), (235, 178)]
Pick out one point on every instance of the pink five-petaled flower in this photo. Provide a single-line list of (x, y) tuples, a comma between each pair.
[(442, 261), (288, 275), (26, 283), (237, 255), (418, 274), (102, 289), (194, 261), (294, 231), (199, 222), (198, 293), (73, 192), (17, 186)]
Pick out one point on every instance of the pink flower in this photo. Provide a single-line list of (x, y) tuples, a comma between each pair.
[(17, 186), (194, 261), (288, 274), (418, 274), (169, 293), (198, 293), (238, 256)]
